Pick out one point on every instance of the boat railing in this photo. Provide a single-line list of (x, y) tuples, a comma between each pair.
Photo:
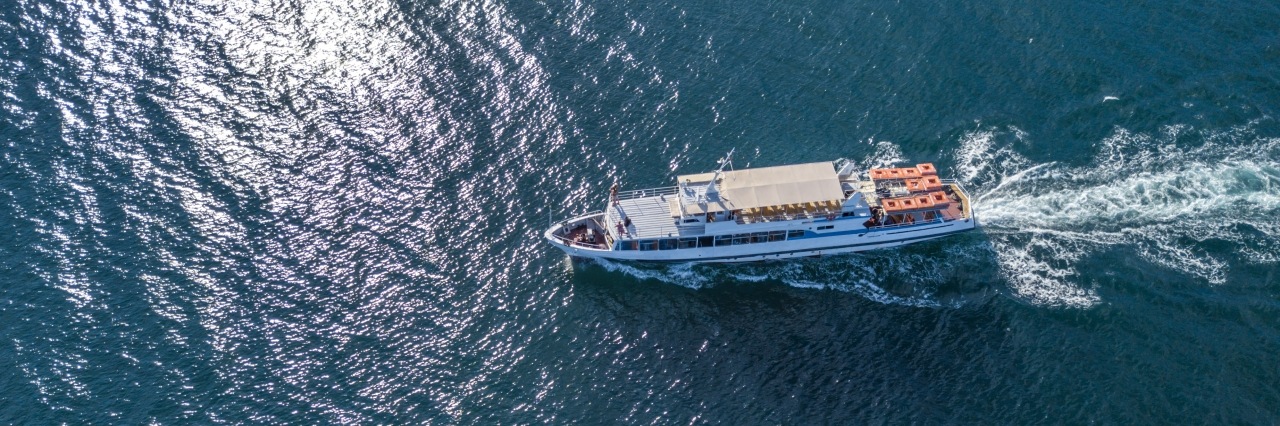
[(743, 220), (589, 214), (570, 242), (900, 225), (651, 192), (576, 243), (564, 240), (953, 182), (966, 209)]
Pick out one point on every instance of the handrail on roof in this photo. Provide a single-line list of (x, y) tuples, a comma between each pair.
[(806, 214), (641, 193), (938, 219)]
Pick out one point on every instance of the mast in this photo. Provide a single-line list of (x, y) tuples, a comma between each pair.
[(713, 194)]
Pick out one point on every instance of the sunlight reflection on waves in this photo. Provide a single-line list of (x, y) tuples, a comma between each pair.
[(98, 134), (364, 137)]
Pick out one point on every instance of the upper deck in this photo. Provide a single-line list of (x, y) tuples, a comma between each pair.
[(757, 188), (807, 205), (649, 212), (711, 203)]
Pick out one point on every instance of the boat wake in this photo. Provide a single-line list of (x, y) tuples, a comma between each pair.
[(863, 274), (1191, 202)]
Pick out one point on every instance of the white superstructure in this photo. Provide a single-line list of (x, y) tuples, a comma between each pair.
[(770, 213)]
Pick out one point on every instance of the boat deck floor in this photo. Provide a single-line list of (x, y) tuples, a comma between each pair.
[(587, 236), (650, 217)]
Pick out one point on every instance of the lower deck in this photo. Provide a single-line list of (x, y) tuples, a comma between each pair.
[(757, 246)]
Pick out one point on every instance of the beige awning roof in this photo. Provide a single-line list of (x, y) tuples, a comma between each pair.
[(767, 186)]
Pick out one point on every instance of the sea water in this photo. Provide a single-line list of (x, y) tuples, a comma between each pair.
[(330, 212)]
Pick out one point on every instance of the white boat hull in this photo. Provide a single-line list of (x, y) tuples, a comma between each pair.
[(838, 241)]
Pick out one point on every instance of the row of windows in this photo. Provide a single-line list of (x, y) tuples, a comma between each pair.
[(716, 241)]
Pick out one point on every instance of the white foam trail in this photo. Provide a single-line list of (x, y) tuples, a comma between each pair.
[(852, 274), (681, 274), (979, 158), (856, 274), (1011, 179), (1142, 192)]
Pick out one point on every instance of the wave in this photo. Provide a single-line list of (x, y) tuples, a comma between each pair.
[(850, 274)]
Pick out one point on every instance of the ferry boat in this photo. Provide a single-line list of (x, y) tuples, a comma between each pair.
[(767, 213)]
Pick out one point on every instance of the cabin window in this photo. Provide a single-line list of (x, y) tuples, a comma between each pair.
[(930, 216), (648, 245), (688, 243), (759, 237), (824, 228), (705, 242), (691, 221), (795, 234), (777, 236), (667, 244), (741, 239), (724, 240)]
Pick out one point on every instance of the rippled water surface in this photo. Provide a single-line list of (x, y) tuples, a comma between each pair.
[(329, 212)]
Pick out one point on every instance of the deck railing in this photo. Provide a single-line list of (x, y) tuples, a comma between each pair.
[(966, 207), (743, 220), (939, 219), (641, 193), (570, 242)]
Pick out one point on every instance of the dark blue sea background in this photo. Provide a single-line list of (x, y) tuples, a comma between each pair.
[(330, 212)]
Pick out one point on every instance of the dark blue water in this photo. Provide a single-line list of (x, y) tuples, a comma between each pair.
[(329, 212)]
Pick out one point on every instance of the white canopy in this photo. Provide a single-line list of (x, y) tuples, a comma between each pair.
[(766, 186)]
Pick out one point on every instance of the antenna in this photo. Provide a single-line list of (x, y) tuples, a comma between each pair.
[(727, 160), (711, 187)]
